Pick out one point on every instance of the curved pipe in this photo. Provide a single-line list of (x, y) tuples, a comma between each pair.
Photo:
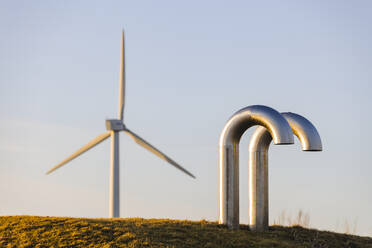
[(258, 165), (230, 136)]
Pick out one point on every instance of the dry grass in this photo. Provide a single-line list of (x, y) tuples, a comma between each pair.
[(301, 219), (32, 231), (350, 228)]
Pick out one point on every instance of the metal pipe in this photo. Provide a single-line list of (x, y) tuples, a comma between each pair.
[(258, 165), (229, 154)]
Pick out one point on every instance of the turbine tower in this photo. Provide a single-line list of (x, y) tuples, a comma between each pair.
[(114, 127)]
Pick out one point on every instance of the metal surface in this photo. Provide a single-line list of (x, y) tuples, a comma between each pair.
[(258, 165), (305, 132), (229, 154), (115, 126), (114, 206)]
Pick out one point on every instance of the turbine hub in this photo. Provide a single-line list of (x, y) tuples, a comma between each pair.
[(115, 125)]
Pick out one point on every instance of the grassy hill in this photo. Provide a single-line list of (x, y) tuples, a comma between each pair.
[(32, 231)]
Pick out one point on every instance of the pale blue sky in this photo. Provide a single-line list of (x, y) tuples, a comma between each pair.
[(190, 66)]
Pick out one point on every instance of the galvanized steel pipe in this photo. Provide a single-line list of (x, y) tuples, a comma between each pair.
[(258, 165), (230, 136)]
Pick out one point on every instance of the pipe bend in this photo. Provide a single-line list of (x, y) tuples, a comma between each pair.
[(301, 127), (305, 131), (252, 115)]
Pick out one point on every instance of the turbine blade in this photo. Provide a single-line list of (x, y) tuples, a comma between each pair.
[(83, 149), (122, 79), (155, 151)]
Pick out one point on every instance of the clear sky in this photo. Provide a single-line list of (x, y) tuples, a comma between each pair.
[(190, 66)]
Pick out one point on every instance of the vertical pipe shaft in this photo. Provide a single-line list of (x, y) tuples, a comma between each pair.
[(114, 176), (258, 191), (229, 186)]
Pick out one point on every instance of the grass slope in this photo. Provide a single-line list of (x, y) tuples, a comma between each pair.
[(33, 231)]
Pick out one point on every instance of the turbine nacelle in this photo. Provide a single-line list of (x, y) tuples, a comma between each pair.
[(115, 125)]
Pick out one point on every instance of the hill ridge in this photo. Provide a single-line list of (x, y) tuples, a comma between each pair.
[(37, 231)]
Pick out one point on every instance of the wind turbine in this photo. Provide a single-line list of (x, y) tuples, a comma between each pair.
[(114, 127)]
